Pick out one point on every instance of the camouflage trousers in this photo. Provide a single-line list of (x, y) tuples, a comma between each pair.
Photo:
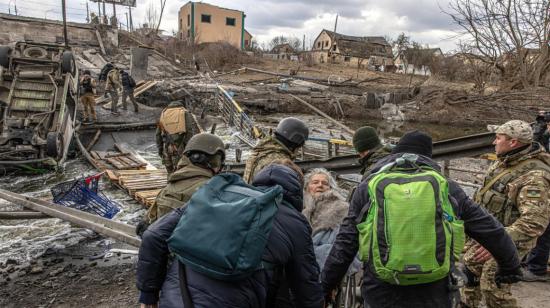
[(487, 288)]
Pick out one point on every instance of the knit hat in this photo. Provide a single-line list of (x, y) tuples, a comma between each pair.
[(415, 142), (365, 138)]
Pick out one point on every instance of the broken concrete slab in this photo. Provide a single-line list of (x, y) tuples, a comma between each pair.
[(139, 61)]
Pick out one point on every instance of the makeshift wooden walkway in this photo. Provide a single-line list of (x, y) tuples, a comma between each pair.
[(142, 185), (129, 171)]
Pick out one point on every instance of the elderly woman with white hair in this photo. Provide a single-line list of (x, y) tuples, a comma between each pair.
[(324, 207)]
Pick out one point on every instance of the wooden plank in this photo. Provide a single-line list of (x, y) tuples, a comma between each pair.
[(98, 35), (95, 155), (94, 140), (111, 175)]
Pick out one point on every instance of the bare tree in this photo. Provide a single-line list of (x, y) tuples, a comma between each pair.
[(510, 35), (294, 42)]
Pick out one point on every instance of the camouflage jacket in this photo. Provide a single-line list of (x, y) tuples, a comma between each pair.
[(181, 186), (267, 150), (372, 158), (113, 80), (516, 191)]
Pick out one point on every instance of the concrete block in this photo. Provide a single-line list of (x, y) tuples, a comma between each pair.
[(139, 62)]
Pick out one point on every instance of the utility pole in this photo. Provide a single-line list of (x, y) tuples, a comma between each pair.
[(336, 23), (304, 43), (130, 14), (87, 13), (104, 11), (63, 9), (127, 23), (15, 5), (98, 10)]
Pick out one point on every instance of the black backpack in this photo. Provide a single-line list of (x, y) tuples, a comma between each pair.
[(86, 85), (131, 81)]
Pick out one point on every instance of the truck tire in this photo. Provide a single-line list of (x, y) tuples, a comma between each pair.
[(54, 145), (4, 56), (68, 63)]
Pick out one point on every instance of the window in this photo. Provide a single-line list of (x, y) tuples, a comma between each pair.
[(229, 21), (181, 24), (205, 18), (326, 43), (318, 44), (188, 33), (347, 59), (245, 42), (188, 20), (334, 47)]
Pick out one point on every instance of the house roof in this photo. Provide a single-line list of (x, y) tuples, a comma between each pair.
[(420, 55), (278, 48), (361, 46)]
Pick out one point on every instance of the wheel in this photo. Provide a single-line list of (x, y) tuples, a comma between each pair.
[(54, 145), (67, 63), (4, 56), (35, 52)]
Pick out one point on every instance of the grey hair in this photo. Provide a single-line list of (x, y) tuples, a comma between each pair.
[(331, 181)]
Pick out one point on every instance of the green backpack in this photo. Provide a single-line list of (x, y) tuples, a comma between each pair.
[(410, 235)]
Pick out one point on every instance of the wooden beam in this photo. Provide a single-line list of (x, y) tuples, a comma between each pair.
[(104, 226), (98, 35), (346, 128)]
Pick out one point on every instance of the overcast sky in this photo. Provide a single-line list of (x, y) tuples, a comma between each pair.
[(422, 20)]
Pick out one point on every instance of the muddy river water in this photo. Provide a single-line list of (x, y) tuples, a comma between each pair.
[(23, 240)]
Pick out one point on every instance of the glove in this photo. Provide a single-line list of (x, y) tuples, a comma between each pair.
[(141, 227), (508, 276)]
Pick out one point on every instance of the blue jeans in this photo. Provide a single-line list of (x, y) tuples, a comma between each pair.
[(537, 259)]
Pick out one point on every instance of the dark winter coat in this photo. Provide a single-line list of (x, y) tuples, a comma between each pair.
[(127, 81), (289, 248), (478, 224), (104, 71)]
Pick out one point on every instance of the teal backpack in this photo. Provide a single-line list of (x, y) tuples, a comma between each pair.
[(410, 235), (224, 229)]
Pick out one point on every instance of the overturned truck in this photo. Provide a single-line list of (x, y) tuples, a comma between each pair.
[(38, 95)]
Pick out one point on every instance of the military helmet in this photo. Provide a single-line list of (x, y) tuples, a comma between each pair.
[(174, 104), (293, 130), (205, 143)]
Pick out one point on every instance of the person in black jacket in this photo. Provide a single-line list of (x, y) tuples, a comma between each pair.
[(478, 224), (289, 248), (128, 86)]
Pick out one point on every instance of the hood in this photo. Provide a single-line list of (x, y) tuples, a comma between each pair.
[(514, 157), (286, 178), (271, 143), (422, 160), (187, 170), (325, 211)]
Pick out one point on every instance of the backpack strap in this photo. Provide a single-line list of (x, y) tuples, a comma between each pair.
[(186, 296)]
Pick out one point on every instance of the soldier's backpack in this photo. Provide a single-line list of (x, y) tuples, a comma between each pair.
[(411, 234), (86, 85), (131, 81), (224, 229), (172, 120)]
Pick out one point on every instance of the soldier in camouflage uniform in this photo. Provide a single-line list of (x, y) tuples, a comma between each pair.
[(203, 158), (291, 134), (170, 146), (515, 191), (369, 148)]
